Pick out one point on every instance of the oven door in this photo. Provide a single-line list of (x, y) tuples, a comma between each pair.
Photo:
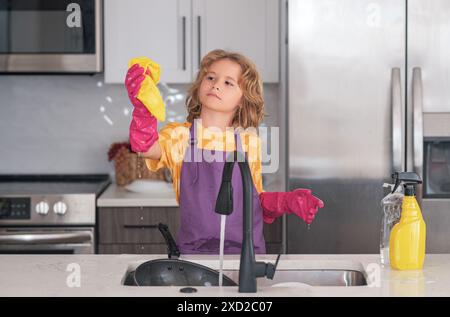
[(47, 241)]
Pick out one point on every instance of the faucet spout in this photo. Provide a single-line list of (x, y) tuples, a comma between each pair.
[(249, 268)]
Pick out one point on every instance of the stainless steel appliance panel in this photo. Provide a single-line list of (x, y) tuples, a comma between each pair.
[(346, 126), (78, 209), (32, 41), (428, 108)]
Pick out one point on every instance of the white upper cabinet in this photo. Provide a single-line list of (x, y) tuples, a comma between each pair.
[(177, 33), (157, 29), (250, 27)]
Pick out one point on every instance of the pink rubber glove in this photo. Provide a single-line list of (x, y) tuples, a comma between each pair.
[(143, 126), (300, 202)]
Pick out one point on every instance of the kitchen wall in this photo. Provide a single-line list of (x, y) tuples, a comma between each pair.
[(66, 123)]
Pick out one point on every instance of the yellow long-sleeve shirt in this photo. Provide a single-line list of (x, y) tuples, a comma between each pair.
[(173, 140)]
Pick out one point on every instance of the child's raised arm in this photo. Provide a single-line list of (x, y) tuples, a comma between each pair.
[(154, 152), (143, 127)]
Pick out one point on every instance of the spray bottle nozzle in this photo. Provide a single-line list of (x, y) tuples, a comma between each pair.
[(409, 180)]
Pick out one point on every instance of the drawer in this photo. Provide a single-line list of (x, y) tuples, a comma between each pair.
[(132, 249), (136, 225), (131, 225)]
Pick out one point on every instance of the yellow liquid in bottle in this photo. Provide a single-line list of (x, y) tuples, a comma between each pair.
[(408, 237)]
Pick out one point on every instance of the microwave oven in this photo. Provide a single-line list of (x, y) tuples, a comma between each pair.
[(51, 36)]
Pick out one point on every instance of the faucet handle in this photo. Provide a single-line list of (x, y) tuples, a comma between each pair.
[(172, 248), (271, 268)]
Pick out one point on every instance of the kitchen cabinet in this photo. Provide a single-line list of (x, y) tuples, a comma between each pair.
[(134, 230), (158, 29), (250, 27), (177, 33)]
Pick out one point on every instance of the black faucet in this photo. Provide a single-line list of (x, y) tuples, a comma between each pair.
[(249, 269)]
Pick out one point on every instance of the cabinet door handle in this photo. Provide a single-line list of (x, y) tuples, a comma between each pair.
[(140, 226), (184, 41)]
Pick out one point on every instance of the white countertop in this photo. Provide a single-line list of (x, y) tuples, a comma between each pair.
[(102, 275), (116, 196)]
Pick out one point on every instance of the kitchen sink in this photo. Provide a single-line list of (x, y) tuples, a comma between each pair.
[(167, 273), (173, 271)]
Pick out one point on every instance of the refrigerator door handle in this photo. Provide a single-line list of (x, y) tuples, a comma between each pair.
[(417, 103), (397, 120)]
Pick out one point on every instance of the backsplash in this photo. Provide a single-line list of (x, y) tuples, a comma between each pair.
[(53, 124)]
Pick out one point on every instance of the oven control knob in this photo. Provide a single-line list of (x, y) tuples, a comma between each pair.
[(42, 208), (60, 208)]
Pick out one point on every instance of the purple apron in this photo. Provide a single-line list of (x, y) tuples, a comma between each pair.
[(200, 182)]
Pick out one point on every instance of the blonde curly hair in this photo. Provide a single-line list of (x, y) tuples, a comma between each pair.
[(251, 111)]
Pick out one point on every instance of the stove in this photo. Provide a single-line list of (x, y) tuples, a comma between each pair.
[(49, 213)]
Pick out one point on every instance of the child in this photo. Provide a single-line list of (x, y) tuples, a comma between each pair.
[(226, 94)]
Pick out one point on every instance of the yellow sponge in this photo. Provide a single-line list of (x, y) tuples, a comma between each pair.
[(148, 93)]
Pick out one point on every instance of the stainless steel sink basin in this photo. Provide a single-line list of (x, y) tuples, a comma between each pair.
[(173, 271), (293, 278), (328, 277)]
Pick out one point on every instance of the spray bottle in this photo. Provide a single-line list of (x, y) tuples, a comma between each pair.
[(408, 236), (391, 205)]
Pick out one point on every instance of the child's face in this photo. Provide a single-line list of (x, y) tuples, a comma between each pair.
[(221, 81)]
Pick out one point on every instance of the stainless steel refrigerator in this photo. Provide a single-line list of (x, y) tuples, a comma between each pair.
[(363, 77)]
